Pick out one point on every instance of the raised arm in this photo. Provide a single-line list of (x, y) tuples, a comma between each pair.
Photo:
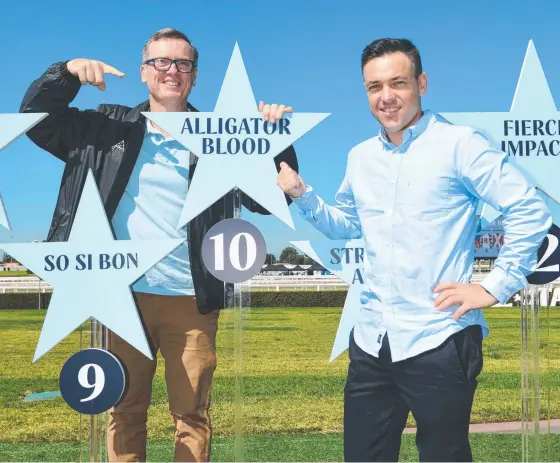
[(335, 222), (52, 93)]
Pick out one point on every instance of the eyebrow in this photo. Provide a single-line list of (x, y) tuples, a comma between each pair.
[(392, 79)]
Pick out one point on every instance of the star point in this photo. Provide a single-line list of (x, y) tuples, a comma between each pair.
[(235, 146), (4, 220), (529, 132), (91, 275), (13, 126), (343, 258)]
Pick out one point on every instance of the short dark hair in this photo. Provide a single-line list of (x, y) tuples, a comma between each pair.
[(381, 47), (168, 33)]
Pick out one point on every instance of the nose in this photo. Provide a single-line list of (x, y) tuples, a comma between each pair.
[(173, 69), (387, 93)]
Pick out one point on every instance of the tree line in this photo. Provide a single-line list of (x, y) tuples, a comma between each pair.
[(289, 255)]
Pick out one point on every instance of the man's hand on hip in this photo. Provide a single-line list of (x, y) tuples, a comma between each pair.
[(470, 296), (290, 181), (90, 71)]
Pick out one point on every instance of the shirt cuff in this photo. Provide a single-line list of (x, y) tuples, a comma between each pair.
[(501, 285), (308, 203), (308, 200)]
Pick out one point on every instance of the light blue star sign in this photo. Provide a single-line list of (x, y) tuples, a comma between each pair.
[(91, 275), (4, 220), (11, 127), (529, 133), (345, 259), (235, 146)]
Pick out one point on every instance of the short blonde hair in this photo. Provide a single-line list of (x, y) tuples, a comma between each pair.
[(168, 33)]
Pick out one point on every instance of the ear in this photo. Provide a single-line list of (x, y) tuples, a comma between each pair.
[(422, 83), (143, 72), (194, 73)]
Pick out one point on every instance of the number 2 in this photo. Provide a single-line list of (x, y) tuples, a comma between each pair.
[(552, 245)]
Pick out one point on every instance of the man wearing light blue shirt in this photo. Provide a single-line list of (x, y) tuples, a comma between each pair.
[(412, 193), (151, 206)]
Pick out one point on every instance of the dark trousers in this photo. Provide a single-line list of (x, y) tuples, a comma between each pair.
[(437, 386)]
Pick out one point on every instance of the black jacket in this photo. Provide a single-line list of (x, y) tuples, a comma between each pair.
[(88, 139)]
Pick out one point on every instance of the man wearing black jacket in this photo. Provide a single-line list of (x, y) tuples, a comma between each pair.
[(143, 175)]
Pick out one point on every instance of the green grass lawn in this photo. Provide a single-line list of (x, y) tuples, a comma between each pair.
[(288, 384), (306, 447), (15, 273)]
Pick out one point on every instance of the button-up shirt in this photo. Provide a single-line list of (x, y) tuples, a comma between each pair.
[(151, 207), (415, 207)]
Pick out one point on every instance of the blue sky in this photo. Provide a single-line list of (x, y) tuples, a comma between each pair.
[(302, 53)]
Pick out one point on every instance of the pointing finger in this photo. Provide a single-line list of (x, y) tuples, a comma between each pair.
[(108, 69)]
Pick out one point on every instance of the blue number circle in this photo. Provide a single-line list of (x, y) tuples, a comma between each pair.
[(92, 381), (548, 264)]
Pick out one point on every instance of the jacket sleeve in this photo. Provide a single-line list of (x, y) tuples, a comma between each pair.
[(289, 157), (58, 133)]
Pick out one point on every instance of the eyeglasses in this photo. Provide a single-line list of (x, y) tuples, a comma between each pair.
[(164, 64)]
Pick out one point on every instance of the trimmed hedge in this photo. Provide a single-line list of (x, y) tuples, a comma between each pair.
[(24, 300), (298, 299), (255, 299)]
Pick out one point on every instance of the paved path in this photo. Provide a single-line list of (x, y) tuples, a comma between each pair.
[(509, 426)]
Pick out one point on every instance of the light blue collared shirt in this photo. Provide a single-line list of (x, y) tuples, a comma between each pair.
[(415, 207), (151, 207)]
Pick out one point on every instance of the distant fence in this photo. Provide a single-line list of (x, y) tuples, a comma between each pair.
[(294, 282), (32, 284)]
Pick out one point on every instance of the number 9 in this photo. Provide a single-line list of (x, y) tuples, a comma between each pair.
[(98, 381)]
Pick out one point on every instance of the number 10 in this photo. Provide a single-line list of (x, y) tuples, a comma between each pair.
[(234, 251)]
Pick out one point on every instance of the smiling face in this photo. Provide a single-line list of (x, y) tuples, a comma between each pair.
[(394, 92), (169, 89)]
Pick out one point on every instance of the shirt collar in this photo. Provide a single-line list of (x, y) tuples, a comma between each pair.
[(410, 133)]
